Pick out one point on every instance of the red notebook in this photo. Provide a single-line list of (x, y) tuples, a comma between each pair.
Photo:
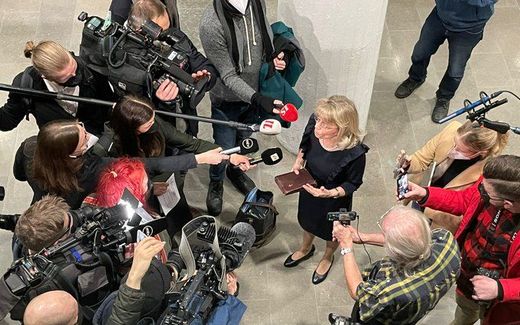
[(291, 183)]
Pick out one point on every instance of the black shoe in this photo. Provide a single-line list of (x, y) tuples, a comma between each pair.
[(214, 198), (440, 110), (319, 278), (240, 180), (289, 262), (407, 87)]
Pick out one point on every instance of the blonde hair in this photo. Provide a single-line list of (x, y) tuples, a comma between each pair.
[(47, 57), (143, 10), (341, 111), (408, 239), (479, 138)]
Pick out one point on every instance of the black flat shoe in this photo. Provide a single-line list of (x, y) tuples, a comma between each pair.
[(289, 262), (319, 278)]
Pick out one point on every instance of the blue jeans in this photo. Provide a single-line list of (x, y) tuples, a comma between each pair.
[(460, 45), (225, 136)]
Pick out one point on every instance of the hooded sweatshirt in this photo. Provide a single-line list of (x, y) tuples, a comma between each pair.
[(233, 85), (465, 15)]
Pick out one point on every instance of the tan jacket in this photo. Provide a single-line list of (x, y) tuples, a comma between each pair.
[(437, 149)]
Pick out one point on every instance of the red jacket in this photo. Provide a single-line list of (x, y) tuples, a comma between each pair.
[(468, 204)]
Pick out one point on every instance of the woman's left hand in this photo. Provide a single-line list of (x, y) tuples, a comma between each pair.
[(320, 192)]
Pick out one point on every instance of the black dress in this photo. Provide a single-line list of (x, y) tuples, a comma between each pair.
[(330, 169)]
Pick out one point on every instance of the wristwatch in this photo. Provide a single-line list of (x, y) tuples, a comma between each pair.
[(345, 251)]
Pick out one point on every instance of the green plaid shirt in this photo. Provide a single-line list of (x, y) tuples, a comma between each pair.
[(394, 298)]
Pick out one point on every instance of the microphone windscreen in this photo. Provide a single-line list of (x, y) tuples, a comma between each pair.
[(289, 113), (272, 156), (270, 127), (248, 145), (247, 235)]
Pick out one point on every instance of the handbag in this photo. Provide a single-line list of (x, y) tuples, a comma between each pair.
[(258, 211)]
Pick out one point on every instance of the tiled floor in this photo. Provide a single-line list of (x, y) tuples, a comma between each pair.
[(276, 295)]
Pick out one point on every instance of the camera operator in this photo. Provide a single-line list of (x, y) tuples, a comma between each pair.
[(55, 69), (55, 307), (419, 268), (197, 64), (121, 8), (489, 284)]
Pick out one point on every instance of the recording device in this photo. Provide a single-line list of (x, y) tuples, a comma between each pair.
[(402, 185), (471, 105), (248, 145), (343, 216), (138, 61), (289, 113), (269, 127), (493, 274), (207, 252), (270, 156)]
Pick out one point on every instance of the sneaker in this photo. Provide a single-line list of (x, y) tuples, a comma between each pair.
[(214, 198), (407, 87), (240, 180), (440, 110)]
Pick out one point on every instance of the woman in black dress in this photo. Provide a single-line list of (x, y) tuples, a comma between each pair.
[(332, 152)]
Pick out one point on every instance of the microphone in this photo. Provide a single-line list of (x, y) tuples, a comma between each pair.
[(247, 236), (149, 229), (269, 127), (270, 156), (483, 99), (248, 145), (289, 113), (500, 127)]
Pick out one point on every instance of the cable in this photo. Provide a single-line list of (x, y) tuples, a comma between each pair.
[(363, 243), (512, 93)]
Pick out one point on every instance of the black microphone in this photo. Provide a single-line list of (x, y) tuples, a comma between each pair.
[(149, 229), (270, 156), (248, 145), (247, 236), (483, 99)]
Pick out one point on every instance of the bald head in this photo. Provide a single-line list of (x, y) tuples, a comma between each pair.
[(52, 308), (407, 236)]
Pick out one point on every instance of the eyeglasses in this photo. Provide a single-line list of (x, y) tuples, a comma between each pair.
[(380, 221), (485, 195), (322, 125)]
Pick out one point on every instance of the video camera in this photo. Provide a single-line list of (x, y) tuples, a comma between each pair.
[(343, 216), (207, 253), (146, 57)]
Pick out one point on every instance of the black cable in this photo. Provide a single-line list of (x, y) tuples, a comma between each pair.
[(363, 243), (512, 93)]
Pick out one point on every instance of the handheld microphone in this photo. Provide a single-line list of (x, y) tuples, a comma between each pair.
[(270, 156), (289, 113), (269, 127), (483, 99), (248, 145), (500, 127)]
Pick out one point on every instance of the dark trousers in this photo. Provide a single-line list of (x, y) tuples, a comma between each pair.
[(460, 45), (225, 136)]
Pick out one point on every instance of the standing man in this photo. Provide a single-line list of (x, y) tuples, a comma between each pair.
[(489, 284), (237, 38), (462, 23)]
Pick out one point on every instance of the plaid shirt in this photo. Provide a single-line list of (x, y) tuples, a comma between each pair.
[(486, 247), (394, 298)]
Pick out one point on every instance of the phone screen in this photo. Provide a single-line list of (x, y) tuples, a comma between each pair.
[(402, 185)]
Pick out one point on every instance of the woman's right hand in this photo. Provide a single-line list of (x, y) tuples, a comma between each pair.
[(211, 157), (298, 164)]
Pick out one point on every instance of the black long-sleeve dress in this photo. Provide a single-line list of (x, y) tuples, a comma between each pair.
[(330, 169)]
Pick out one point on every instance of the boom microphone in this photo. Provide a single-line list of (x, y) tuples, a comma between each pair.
[(270, 156), (248, 145), (247, 235), (269, 126), (483, 99)]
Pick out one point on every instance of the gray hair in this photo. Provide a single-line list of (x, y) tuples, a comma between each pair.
[(408, 238)]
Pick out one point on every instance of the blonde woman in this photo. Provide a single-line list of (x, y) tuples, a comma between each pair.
[(55, 69), (460, 151), (331, 150)]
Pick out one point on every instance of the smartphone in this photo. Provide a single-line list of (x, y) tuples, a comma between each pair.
[(402, 185)]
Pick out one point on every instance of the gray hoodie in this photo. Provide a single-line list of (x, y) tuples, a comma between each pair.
[(231, 86)]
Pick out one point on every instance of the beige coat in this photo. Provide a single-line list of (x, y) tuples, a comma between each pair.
[(437, 149)]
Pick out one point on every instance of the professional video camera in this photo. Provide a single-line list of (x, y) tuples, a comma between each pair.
[(343, 216), (145, 58), (85, 264), (207, 252)]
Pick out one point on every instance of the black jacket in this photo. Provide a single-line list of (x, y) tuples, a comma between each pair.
[(93, 85)]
